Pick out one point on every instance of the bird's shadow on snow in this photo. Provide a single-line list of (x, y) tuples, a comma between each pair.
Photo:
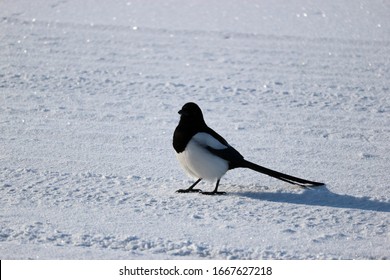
[(321, 197)]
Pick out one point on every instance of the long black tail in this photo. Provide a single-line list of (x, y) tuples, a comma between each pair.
[(281, 176)]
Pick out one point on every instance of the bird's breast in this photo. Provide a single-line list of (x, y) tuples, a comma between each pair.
[(198, 162)]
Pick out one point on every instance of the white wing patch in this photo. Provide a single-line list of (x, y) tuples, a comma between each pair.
[(206, 140)]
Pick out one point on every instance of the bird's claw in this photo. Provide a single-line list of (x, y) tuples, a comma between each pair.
[(189, 191), (213, 193)]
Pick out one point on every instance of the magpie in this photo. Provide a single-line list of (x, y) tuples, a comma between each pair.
[(204, 154)]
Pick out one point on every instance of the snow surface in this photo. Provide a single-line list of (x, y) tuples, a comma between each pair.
[(89, 97)]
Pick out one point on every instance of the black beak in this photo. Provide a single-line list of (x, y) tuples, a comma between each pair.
[(180, 112)]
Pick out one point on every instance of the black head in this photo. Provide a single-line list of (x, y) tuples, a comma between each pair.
[(191, 113)]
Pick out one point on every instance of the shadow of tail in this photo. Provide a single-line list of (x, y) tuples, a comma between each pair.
[(321, 197)]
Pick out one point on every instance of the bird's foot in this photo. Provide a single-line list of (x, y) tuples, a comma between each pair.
[(189, 191), (213, 193)]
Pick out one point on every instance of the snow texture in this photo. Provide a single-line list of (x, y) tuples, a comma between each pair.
[(89, 94)]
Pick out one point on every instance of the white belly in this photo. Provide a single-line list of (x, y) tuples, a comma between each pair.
[(198, 162)]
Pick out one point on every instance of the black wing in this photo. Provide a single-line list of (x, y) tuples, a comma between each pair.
[(229, 154)]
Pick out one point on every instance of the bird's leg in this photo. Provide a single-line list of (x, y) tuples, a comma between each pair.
[(215, 191), (191, 188)]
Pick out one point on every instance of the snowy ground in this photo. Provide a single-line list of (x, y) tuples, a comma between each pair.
[(89, 94)]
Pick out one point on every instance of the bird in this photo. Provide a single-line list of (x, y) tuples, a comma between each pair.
[(204, 154)]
